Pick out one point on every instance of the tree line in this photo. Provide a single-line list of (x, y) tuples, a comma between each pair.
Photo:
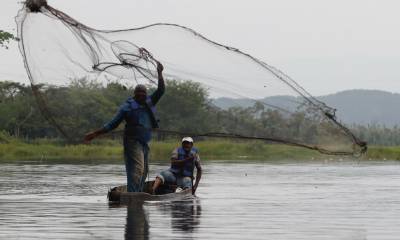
[(186, 107)]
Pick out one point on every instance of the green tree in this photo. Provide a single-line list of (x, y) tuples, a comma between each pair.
[(184, 107), (17, 110), (5, 38)]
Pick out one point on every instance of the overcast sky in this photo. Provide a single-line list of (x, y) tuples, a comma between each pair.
[(326, 46)]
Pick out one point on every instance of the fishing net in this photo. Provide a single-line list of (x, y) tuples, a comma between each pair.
[(58, 51)]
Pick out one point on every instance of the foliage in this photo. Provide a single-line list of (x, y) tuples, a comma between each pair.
[(85, 105), (383, 153), (380, 135), (185, 107), (5, 38), (108, 151), (17, 110), (111, 151)]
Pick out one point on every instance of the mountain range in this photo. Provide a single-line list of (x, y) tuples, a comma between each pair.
[(353, 106)]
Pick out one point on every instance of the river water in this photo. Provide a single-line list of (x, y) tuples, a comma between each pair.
[(285, 200)]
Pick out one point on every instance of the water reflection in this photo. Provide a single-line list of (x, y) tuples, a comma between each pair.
[(137, 223), (185, 217), (299, 201)]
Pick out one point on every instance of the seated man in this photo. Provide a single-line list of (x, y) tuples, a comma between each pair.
[(183, 161)]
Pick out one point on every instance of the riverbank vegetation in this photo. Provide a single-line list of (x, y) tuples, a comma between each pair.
[(110, 151), (186, 107), (106, 150)]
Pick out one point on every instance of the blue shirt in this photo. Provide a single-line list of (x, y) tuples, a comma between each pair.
[(143, 133)]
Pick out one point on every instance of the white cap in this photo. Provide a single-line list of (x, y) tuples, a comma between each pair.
[(187, 139)]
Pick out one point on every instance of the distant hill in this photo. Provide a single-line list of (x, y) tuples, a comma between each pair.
[(353, 106)]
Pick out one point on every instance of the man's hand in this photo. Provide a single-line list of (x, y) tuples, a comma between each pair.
[(183, 161), (90, 136), (190, 158), (160, 67)]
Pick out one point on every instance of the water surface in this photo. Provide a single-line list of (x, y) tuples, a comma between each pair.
[(331, 200)]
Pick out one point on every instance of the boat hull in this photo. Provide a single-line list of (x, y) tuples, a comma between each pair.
[(120, 195)]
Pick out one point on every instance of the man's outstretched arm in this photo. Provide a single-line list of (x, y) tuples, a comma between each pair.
[(114, 123), (155, 97)]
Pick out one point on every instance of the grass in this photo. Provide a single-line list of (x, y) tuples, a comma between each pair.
[(383, 153), (12, 149), (30, 151)]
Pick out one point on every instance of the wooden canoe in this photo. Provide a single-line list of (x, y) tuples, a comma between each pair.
[(166, 193)]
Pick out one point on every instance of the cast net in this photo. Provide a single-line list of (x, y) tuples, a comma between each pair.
[(59, 52)]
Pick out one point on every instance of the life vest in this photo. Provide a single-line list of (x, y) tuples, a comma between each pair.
[(133, 118), (188, 167)]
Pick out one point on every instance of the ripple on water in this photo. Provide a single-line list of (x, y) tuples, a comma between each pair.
[(235, 201)]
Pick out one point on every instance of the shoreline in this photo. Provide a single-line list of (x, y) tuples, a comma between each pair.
[(111, 151)]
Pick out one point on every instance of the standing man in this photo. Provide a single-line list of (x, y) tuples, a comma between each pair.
[(139, 115), (183, 161)]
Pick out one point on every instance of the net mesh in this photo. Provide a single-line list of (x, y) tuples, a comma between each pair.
[(58, 50)]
